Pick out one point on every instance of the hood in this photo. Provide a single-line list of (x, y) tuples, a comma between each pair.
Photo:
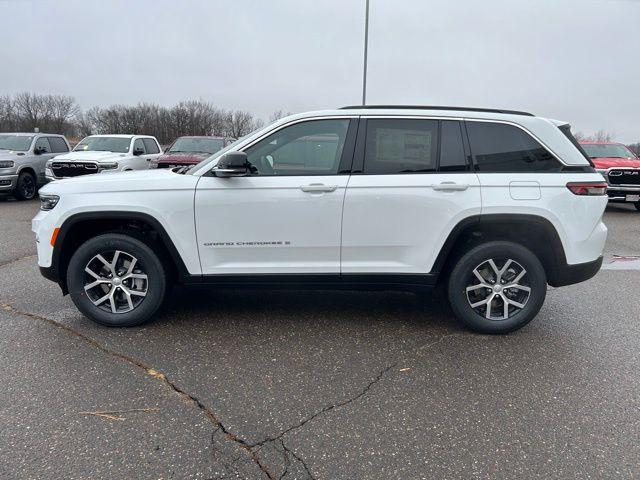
[(603, 163), (183, 158), (91, 156), (11, 155), (137, 181)]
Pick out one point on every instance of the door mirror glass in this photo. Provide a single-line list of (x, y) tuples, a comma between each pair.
[(232, 164)]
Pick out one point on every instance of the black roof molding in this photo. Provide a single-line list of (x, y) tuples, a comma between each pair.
[(432, 107)]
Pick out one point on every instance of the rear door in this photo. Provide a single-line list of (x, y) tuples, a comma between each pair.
[(46, 154), (412, 183)]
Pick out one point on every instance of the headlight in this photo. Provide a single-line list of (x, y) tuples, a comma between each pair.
[(47, 202), (48, 172), (108, 166), (7, 164)]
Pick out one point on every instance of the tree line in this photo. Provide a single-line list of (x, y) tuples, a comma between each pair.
[(61, 114)]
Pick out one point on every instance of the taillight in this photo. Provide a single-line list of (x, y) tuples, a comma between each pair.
[(588, 188)]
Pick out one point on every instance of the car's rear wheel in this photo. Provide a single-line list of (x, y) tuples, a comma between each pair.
[(116, 280), (497, 287), (637, 205), (26, 187)]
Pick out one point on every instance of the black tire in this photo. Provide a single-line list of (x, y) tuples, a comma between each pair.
[(504, 316), (26, 186), (637, 205), (147, 264)]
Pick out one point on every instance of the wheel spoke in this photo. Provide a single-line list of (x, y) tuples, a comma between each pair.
[(479, 276), (140, 276), (127, 295), (114, 262), (488, 315), (131, 266), (519, 276), (476, 287), (92, 273), (106, 264), (480, 303), (494, 267), (101, 300), (504, 268), (505, 308), (520, 287), (112, 300), (514, 303), (100, 281), (137, 293)]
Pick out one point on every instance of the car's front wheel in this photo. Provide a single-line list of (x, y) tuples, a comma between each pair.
[(637, 205), (26, 186), (116, 280), (497, 287)]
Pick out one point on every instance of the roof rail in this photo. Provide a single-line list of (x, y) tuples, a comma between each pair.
[(432, 107)]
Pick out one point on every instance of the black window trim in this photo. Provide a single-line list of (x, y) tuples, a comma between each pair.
[(133, 149)]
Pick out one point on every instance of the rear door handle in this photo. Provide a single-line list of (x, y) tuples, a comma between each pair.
[(318, 188), (450, 187)]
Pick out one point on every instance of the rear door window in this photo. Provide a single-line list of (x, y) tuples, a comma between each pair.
[(499, 147), (397, 146)]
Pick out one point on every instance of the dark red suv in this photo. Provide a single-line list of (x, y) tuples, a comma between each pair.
[(188, 151)]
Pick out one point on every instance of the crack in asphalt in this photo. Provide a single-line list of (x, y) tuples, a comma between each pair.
[(16, 260), (250, 449), (206, 411)]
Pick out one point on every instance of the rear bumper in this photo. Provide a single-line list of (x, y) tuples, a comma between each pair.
[(570, 274)]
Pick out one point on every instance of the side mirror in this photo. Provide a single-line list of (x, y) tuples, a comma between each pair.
[(232, 164), (37, 151), (137, 152)]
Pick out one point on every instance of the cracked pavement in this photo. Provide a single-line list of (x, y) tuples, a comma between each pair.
[(321, 385)]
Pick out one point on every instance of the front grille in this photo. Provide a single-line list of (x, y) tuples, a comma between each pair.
[(73, 169), (624, 177)]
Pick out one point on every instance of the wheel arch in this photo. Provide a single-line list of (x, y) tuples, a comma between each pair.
[(534, 232), (79, 227)]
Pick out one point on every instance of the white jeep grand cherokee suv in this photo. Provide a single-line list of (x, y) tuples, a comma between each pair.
[(493, 204), (105, 153)]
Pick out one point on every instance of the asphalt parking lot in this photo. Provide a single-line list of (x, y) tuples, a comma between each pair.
[(319, 385)]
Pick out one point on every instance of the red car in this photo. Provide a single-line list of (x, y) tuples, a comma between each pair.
[(620, 167), (188, 151)]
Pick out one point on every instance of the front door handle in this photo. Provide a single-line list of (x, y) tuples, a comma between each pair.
[(318, 188), (450, 187)]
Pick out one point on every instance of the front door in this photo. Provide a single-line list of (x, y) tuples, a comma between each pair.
[(285, 217), (412, 184)]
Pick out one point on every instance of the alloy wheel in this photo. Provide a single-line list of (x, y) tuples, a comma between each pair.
[(115, 281), (498, 289)]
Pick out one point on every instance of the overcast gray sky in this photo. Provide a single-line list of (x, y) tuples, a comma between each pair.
[(573, 60)]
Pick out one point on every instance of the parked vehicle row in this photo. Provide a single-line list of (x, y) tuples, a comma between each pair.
[(29, 160)]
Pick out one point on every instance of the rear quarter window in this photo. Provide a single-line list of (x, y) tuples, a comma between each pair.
[(499, 147)]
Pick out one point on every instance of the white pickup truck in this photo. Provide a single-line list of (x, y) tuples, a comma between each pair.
[(101, 153)]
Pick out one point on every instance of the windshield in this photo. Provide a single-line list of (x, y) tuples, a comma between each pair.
[(607, 150), (103, 144), (196, 145), (18, 143)]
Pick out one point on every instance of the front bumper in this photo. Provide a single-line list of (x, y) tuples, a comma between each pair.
[(619, 193), (8, 183)]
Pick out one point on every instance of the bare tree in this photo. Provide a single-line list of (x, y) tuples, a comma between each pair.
[(7, 114), (277, 115), (239, 123)]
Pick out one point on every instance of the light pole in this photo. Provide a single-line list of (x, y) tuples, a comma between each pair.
[(366, 42)]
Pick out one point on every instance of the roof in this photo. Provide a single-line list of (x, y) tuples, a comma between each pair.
[(202, 136), (31, 134), (593, 142)]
